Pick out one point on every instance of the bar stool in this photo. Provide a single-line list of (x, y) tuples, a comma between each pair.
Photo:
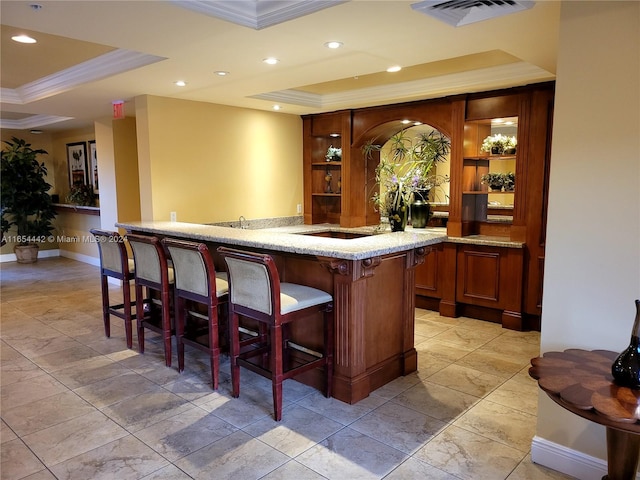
[(197, 282), (115, 263), (153, 274), (255, 292)]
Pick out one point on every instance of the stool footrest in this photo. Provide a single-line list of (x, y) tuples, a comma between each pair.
[(306, 350)]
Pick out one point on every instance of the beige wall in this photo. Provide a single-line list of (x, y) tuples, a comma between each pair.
[(212, 163), (592, 272)]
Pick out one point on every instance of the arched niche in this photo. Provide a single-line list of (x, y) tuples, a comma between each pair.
[(381, 135)]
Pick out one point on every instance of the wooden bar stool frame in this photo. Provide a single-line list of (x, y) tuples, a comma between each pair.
[(272, 344), (152, 273), (115, 263), (196, 280)]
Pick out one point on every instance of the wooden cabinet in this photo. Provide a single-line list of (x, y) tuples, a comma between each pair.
[(473, 209), (323, 178)]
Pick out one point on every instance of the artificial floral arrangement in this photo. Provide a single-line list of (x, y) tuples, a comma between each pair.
[(499, 181), (499, 144), (407, 169), (333, 154), (82, 195)]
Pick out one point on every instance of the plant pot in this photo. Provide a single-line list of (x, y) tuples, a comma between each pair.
[(496, 188), (26, 253)]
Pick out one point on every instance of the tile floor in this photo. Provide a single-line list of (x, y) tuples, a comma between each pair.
[(76, 405)]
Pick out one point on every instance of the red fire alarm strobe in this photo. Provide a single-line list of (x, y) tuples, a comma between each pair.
[(118, 109)]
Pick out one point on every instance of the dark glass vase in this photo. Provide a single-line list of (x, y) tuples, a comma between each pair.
[(626, 368), (398, 218), (420, 210)]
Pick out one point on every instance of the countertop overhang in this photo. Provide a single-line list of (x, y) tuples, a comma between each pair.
[(292, 239), (298, 239)]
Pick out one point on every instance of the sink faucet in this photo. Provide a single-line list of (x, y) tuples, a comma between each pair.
[(241, 221)]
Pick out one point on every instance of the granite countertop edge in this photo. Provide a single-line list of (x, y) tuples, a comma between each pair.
[(292, 239)]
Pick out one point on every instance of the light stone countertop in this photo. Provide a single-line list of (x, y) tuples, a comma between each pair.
[(292, 238)]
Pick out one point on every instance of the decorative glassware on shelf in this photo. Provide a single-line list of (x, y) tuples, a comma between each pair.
[(626, 368), (328, 177)]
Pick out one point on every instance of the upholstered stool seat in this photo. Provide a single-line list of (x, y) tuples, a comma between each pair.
[(115, 263), (153, 274), (197, 283), (255, 292)]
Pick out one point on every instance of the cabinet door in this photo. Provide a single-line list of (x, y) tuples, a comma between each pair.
[(490, 277), (428, 274)]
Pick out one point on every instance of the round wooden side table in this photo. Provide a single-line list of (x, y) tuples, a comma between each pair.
[(581, 382)]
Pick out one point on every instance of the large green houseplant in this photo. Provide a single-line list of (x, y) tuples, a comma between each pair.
[(26, 203)]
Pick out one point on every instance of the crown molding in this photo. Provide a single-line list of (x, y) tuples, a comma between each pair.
[(112, 63), (517, 73), (257, 14), (34, 121)]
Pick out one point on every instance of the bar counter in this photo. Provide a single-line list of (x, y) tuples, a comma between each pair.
[(370, 275)]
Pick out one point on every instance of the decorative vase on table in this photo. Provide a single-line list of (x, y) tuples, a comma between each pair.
[(420, 209), (626, 368), (398, 214)]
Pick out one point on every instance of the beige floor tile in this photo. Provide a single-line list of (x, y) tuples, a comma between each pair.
[(492, 363), (116, 389), (415, 469), (146, 409), (339, 411), (399, 427), (466, 380), (184, 433), (466, 337), (298, 430), (236, 456), (170, 472), (29, 390), (44, 413), (469, 456), (436, 401), (6, 434), (502, 424), (17, 461), (76, 354), (519, 393), (89, 371), (350, 454), (18, 369), (293, 470), (73, 437), (125, 459)]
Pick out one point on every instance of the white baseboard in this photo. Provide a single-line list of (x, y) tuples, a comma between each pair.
[(570, 462), (11, 257), (80, 257)]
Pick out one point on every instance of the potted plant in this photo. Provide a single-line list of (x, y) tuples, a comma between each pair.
[(406, 172), (494, 180), (509, 181), (497, 144), (82, 195), (25, 201)]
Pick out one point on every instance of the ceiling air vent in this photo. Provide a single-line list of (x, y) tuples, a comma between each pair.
[(463, 12)]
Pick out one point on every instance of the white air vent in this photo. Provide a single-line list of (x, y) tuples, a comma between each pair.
[(463, 12)]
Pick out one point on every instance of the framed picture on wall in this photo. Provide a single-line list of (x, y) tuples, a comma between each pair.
[(77, 160), (93, 166)]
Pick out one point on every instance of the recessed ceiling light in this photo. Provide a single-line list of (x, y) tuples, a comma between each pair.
[(23, 39), (333, 45), (221, 73), (395, 68), (277, 107), (35, 131), (334, 134), (417, 123), (181, 83), (405, 122), (271, 60)]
